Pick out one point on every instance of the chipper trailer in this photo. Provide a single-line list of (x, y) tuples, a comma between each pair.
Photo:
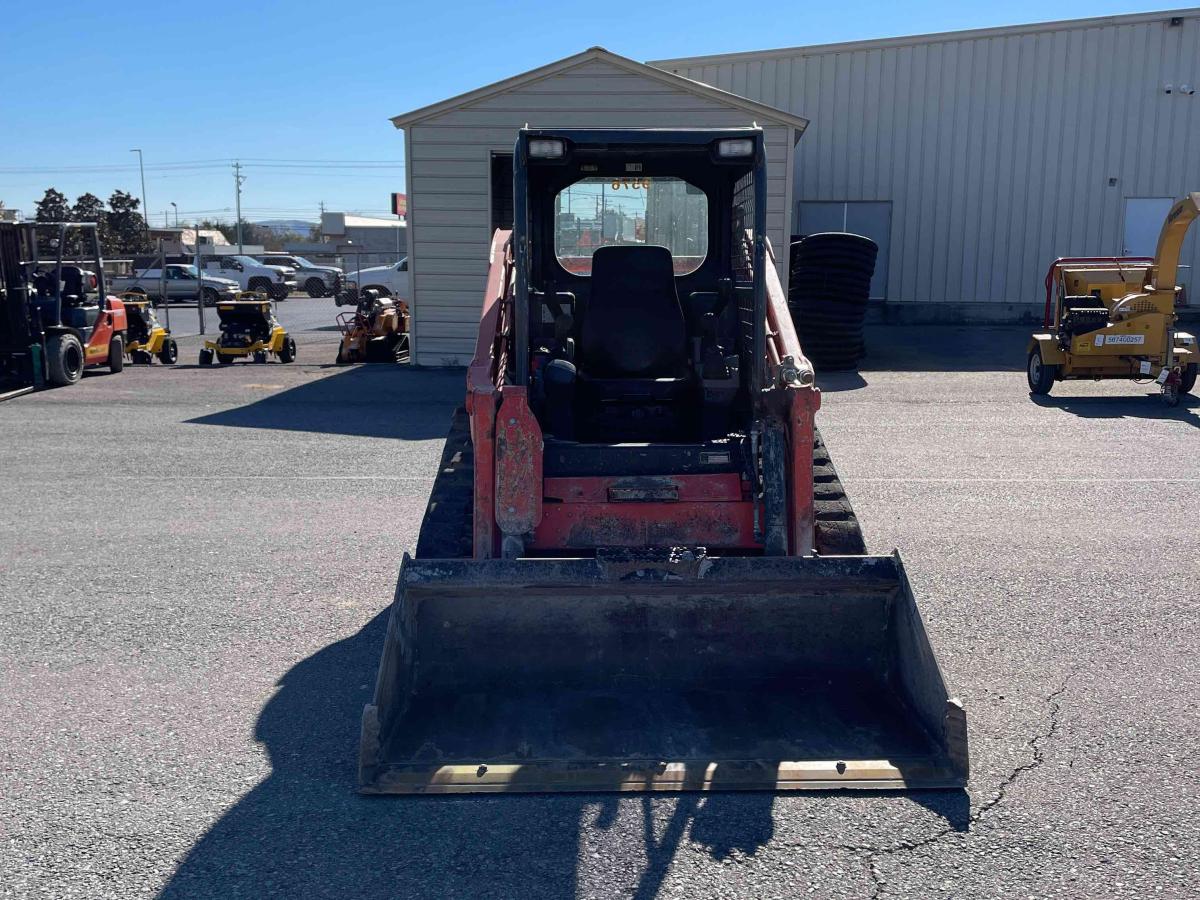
[(56, 318), (637, 570), (1115, 318)]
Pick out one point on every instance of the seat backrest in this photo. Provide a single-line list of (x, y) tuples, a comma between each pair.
[(633, 325), (72, 280)]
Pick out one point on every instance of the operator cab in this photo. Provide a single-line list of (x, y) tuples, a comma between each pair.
[(638, 280), (67, 295)]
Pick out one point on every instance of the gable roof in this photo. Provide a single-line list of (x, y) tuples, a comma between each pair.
[(760, 110)]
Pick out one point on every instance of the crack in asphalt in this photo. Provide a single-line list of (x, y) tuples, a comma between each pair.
[(1037, 757)]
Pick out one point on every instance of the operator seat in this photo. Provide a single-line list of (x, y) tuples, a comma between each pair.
[(633, 326), (634, 382), (77, 311)]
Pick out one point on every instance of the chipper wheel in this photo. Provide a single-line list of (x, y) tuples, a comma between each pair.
[(1040, 376), (1188, 380)]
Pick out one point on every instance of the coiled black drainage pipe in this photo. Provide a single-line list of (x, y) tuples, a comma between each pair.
[(828, 288)]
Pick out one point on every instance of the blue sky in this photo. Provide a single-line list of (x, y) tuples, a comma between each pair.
[(196, 85)]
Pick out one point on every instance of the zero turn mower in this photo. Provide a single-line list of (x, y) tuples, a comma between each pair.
[(146, 337), (1115, 318), (377, 330), (248, 329)]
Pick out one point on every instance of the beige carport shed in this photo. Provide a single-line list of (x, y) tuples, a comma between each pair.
[(458, 171)]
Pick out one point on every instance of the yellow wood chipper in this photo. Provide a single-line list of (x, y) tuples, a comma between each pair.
[(1115, 317)]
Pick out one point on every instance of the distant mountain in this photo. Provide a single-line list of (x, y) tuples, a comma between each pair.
[(279, 226)]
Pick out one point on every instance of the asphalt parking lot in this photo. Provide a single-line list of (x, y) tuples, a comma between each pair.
[(194, 576)]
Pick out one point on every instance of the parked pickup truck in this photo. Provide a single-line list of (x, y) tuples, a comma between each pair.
[(390, 280), (315, 280), (251, 275), (180, 283)]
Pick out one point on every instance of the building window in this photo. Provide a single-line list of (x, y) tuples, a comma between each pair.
[(502, 192), (870, 219)]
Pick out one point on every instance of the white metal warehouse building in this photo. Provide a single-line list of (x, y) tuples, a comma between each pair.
[(972, 158)]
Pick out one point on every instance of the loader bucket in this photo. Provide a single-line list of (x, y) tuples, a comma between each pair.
[(624, 674)]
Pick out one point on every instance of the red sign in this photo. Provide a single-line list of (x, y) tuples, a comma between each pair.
[(399, 205)]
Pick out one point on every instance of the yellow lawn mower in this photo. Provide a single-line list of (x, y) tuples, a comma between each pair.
[(145, 338), (248, 329)]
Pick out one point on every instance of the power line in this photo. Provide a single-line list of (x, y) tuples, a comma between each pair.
[(202, 164)]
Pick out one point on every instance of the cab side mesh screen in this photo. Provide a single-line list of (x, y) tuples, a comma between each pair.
[(742, 254)]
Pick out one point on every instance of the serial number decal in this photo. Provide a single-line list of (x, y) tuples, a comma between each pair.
[(631, 184), (1126, 339)]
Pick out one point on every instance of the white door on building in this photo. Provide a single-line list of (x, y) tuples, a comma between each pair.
[(870, 219), (1143, 221)]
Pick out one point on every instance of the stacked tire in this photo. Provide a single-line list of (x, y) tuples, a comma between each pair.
[(828, 287)]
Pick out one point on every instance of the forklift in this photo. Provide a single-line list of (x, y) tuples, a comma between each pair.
[(56, 318), (1115, 318)]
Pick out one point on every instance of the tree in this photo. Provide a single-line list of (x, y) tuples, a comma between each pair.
[(90, 208), (126, 229), (53, 207)]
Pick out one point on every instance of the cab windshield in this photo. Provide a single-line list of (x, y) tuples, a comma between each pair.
[(602, 211)]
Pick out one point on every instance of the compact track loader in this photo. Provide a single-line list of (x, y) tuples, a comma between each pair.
[(638, 570), (1115, 317)]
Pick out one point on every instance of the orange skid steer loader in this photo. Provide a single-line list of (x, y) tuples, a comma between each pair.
[(638, 570)]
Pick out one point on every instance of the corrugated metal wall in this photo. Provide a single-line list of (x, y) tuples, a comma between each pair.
[(995, 150), (449, 158)]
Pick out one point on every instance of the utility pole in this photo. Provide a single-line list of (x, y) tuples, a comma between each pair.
[(238, 178), (142, 169)]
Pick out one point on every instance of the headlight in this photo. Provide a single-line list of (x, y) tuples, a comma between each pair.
[(546, 149), (736, 147)]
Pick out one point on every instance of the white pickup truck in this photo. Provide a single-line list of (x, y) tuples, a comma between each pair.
[(251, 275), (390, 280), (179, 284)]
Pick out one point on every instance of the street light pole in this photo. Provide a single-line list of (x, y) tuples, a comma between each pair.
[(142, 169), (176, 206)]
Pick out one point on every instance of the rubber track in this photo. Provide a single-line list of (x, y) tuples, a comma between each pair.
[(837, 532), (446, 528)]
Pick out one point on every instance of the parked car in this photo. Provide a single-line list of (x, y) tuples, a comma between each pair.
[(251, 275), (180, 284), (315, 280), (389, 280)]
